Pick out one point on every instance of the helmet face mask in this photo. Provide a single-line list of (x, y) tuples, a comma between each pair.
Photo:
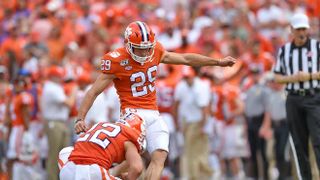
[(140, 42), (141, 54)]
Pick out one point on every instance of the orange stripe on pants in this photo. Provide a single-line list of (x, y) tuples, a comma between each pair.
[(103, 175)]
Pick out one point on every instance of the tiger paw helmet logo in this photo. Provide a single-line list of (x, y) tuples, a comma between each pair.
[(128, 32)]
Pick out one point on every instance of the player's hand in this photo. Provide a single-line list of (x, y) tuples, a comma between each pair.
[(227, 61), (80, 126), (124, 176)]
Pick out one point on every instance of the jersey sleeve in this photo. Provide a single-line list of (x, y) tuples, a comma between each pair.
[(159, 51), (109, 65)]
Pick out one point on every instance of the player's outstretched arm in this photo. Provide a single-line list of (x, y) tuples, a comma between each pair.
[(133, 158), (98, 86), (193, 59)]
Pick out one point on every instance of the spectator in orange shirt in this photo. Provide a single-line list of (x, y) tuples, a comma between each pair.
[(233, 139), (258, 59), (55, 45), (314, 8), (13, 45), (19, 119)]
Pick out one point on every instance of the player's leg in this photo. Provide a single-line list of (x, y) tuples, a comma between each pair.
[(68, 171), (171, 162), (13, 148), (74, 171), (157, 145), (235, 166), (18, 171), (154, 170)]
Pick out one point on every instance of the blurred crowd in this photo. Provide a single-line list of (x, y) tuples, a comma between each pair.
[(62, 41)]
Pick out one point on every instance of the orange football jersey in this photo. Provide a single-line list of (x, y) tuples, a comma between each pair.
[(231, 93), (165, 94), (263, 62), (103, 144), (135, 82), (20, 100), (217, 102)]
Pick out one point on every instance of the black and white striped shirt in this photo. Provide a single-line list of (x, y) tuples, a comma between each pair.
[(292, 59)]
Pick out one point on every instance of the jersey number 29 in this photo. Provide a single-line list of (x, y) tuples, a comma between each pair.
[(139, 88)]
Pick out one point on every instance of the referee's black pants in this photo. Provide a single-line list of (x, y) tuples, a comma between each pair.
[(303, 114)]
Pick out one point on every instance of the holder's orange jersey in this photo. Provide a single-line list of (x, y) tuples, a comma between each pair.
[(135, 82), (103, 144)]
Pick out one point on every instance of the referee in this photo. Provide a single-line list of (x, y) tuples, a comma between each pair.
[(298, 67)]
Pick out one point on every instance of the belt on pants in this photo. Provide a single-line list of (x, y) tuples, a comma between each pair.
[(304, 92)]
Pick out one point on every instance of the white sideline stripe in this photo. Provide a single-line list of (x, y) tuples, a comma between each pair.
[(295, 157)]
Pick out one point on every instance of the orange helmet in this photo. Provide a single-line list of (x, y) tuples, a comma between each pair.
[(138, 35), (137, 123)]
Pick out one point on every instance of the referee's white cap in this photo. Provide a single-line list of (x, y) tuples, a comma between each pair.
[(300, 20)]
